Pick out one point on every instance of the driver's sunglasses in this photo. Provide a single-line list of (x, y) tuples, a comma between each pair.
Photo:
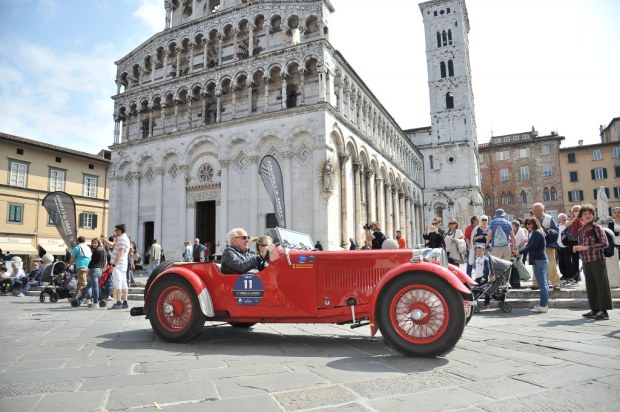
[(243, 237)]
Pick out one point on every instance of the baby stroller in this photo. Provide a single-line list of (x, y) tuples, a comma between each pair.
[(496, 289), (60, 284), (104, 286)]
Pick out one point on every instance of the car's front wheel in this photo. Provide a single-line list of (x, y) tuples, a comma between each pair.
[(174, 310), (420, 314)]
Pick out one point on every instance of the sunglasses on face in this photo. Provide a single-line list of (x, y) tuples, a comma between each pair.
[(484, 220), (243, 237), (262, 245)]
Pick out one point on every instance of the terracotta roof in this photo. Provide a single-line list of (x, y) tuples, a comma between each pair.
[(30, 142)]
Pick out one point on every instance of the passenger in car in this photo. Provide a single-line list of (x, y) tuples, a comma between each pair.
[(237, 257), (262, 247)]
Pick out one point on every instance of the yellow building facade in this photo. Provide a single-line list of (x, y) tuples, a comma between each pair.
[(29, 170)]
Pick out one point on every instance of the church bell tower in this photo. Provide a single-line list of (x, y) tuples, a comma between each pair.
[(450, 147)]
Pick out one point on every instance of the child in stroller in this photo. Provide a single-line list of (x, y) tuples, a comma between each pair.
[(60, 283), (493, 277)]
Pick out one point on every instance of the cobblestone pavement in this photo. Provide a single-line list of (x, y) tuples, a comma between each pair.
[(55, 357)]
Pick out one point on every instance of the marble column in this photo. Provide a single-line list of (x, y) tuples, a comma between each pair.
[(158, 173), (163, 118), (380, 202), (371, 195), (266, 94), (233, 90), (389, 221), (218, 105), (250, 40), (176, 115), (204, 107), (357, 222), (135, 204), (178, 50), (191, 58), (249, 98), (254, 185), (117, 130), (396, 211), (283, 101), (302, 87), (219, 49), (344, 158), (222, 228), (150, 122)]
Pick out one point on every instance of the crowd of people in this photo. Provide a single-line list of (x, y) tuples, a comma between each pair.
[(553, 249)]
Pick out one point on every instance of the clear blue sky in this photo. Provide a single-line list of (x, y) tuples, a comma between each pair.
[(552, 64)]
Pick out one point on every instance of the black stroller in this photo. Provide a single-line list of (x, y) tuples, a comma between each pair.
[(60, 283), (499, 270)]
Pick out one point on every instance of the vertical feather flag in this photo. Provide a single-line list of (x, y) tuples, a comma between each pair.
[(271, 174)]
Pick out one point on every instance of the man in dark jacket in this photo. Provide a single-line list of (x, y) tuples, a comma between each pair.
[(237, 257), (34, 279)]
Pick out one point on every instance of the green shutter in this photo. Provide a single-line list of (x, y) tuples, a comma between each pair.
[(81, 220), (94, 224)]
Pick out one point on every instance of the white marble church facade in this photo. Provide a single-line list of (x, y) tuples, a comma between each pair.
[(227, 82)]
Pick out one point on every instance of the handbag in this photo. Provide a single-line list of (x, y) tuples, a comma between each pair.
[(461, 246)]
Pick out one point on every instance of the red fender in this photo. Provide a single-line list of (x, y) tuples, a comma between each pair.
[(449, 276), (206, 304), (463, 277)]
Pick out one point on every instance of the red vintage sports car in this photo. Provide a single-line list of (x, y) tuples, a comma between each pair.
[(419, 303)]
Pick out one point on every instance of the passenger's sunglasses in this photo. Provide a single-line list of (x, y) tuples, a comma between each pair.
[(243, 237)]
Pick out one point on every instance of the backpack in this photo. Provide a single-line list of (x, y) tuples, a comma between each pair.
[(609, 250), (499, 237)]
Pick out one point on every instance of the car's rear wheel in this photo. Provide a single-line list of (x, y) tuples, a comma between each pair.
[(174, 310), (420, 314)]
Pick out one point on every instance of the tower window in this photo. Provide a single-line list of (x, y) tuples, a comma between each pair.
[(438, 39), (444, 38), (430, 159), (450, 68), (442, 69), (449, 100), (450, 37)]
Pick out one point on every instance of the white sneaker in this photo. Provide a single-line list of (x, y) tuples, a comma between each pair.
[(21, 295), (539, 309)]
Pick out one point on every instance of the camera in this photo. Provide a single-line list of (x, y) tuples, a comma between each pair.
[(366, 226)]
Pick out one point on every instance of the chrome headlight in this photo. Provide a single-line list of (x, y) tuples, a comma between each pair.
[(437, 255)]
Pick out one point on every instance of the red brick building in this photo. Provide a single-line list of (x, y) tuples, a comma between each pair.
[(521, 169)]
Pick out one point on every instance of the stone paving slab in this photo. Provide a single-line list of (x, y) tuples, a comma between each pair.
[(77, 360), (315, 397)]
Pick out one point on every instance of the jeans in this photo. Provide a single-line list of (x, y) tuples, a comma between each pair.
[(92, 289), (540, 273), (9, 284), (27, 285)]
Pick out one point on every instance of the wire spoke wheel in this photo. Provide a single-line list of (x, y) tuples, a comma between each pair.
[(420, 314), (174, 309)]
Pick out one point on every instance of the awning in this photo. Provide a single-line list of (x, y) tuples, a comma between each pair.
[(18, 248), (53, 246)]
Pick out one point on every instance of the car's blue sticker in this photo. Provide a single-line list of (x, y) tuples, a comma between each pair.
[(311, 259), (302, 259), (248, 290)]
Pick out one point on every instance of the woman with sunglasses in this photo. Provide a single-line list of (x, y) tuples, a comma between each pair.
[(237, 257), (537, 255)]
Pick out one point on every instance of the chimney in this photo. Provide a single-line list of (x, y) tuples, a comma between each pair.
[(580, 142)]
